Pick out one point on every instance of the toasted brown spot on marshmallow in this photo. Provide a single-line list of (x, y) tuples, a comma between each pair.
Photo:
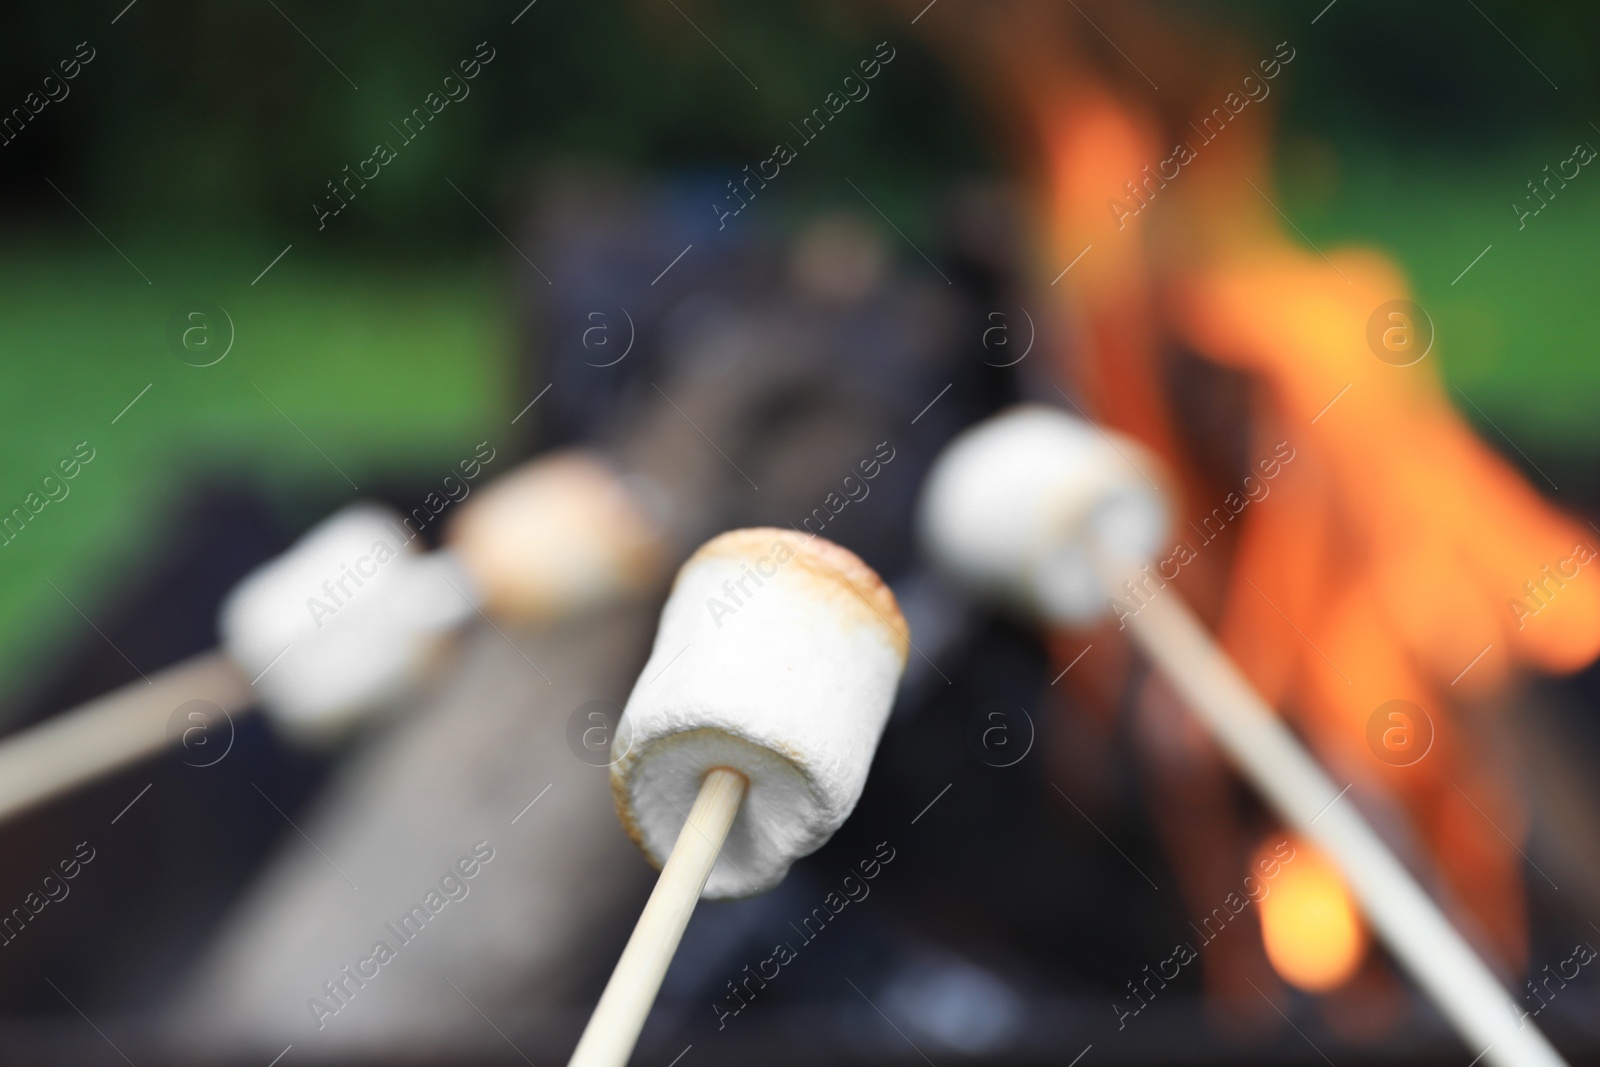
[(828, 570), (621, 774)]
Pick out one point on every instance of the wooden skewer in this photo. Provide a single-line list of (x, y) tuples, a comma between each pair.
[(1416, 931), (614, 1027), (111, 731)]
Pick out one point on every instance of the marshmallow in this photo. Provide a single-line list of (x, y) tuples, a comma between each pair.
[(557, 536), (777, 656), (345, 622), (1020, 505)]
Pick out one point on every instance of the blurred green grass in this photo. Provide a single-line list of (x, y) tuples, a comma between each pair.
[(389, 370)]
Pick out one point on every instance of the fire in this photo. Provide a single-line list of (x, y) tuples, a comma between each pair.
[(1398, 558)]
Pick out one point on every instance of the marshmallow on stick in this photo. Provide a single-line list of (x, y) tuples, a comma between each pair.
[(353, 617), (759, 723), (1055, 514)]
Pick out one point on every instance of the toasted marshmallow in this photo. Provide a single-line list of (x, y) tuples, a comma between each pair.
[(345, 623), (560, 535), (777, 656), (1019, 506)]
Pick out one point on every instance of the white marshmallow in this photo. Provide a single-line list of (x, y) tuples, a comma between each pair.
[(1016, 505), (777, 656), (561, 534), (355, 613)]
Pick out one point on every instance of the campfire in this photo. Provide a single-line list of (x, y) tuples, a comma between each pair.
[(1386, 588)]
